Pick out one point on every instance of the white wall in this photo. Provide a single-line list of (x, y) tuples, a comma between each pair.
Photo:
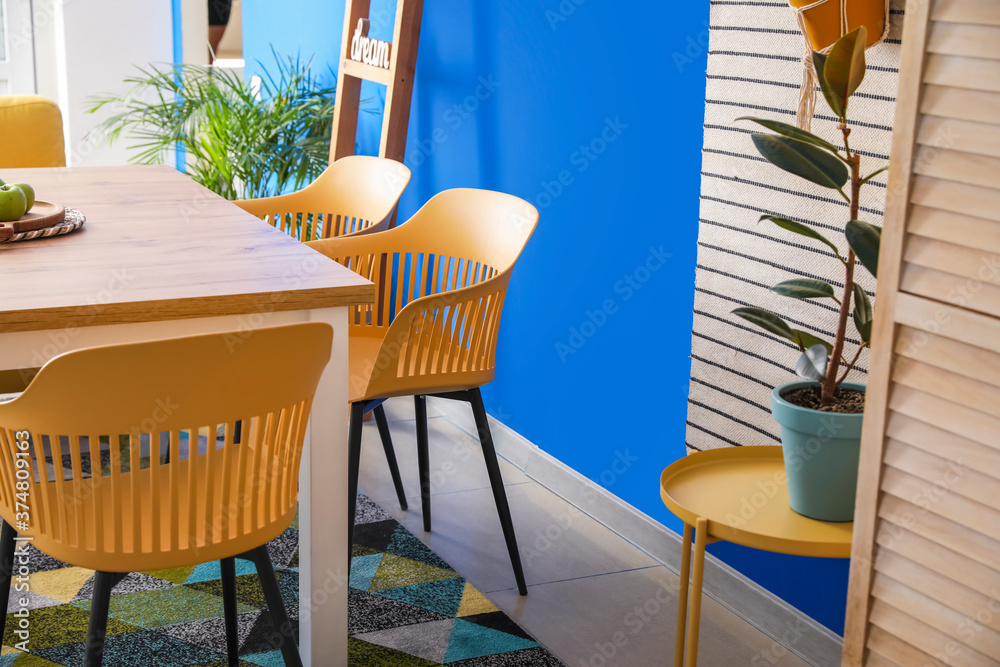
[(86, 48)]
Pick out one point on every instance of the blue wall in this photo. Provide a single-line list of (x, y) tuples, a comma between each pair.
[(594, 114)]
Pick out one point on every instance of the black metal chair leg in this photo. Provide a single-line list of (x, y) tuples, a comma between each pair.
[(228, 566), (272, 595), (353, 465), (423, 459), (390, 454), (496, 481), (7, 546), (99, 605)]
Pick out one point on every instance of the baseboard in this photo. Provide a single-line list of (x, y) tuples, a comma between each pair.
[(791, 629)]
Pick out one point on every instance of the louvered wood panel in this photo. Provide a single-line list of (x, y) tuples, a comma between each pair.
[(960, 104), (949, 355), (959, 135), (936, 585), (965, 261), (949, 386), (941, 472), (942, 501), (972, 12), (953, 228), (949, 288), (920, 635), (981, 647), (950, 165), (945, 444), (964, 39), (925, 568), (897, 539), (887, 649)]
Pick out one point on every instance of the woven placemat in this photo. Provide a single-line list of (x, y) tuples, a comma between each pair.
[(74, 220)]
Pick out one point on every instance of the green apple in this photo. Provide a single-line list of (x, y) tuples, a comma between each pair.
[(13, 203), (29, 194)]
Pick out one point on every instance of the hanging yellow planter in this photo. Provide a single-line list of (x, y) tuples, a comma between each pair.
[(823, 22)]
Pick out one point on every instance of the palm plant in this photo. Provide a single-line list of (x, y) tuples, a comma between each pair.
[(243, 140), (817, 160)]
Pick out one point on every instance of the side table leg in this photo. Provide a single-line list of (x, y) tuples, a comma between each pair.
[(682, 597), (701, 539)]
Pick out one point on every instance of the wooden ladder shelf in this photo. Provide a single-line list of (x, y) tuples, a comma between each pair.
[(391, 64)]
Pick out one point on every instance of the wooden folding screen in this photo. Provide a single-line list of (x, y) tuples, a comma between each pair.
[(925, 570)]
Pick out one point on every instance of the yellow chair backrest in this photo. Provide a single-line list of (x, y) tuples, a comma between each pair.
[(32, 132), (124, 509), (441, 279), (354, 195)]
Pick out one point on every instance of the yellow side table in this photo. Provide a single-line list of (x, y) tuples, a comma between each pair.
[(737, 494)]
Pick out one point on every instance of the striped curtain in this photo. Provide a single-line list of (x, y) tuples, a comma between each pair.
[(755, 68)]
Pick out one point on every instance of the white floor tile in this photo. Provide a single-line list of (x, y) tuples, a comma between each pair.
[(630, 618), (456, 462), (556, 540), (594, 599)]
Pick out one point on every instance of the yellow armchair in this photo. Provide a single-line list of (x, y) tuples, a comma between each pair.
[(33, 132)]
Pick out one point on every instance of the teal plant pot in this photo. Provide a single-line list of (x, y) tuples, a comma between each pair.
[(821, 451)]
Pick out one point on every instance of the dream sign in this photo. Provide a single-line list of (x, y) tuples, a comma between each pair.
[(391, 64), (369, 51)]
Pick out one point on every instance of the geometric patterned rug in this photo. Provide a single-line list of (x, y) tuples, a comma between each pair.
[(407, 607)]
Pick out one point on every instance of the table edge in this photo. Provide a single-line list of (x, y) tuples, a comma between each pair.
[(71, 317)]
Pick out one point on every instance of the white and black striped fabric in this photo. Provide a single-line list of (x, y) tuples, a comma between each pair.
[(755, 69)]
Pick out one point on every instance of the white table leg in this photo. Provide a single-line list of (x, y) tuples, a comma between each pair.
[(323, 578)]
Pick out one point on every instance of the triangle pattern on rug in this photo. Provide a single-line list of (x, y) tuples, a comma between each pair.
[(443, 597), (363, 569), (469, 640), (365, 654), (407, 608), (474, 602), (428, 641), (404, 543), (395, 571)]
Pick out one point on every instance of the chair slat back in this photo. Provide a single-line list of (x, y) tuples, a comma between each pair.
[(441, 279), (356, 194), (132, 450)]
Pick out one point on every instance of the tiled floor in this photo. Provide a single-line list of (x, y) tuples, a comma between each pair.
[(594, 599)]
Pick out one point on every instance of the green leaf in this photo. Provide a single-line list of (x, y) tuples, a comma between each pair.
[(865, 240), (819, 64), (845, 65), (805, 340), (801, 229), (874, 174), (865, 331), (863, 313), (862, 304), (765, 319), (805, 288), (792, 132), (802, 159), (813, 363)]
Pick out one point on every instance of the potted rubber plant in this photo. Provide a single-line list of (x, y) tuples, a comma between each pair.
[(820, 416)]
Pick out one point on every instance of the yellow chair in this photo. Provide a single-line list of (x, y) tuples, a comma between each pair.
[(126, 511), (441, 279), (354, 195), (32, 132)]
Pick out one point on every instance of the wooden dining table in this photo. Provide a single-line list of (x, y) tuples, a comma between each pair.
[(162, 256)]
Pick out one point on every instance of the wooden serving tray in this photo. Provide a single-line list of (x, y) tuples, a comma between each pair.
[(42, 214)]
